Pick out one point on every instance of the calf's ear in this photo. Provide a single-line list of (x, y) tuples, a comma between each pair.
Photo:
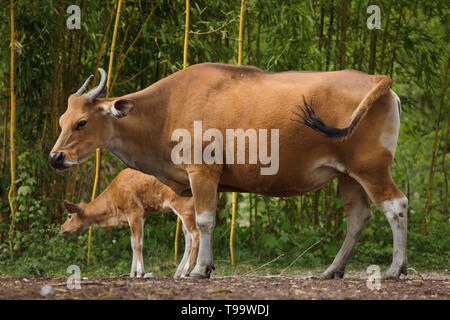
[(73, 208), (121, 107)]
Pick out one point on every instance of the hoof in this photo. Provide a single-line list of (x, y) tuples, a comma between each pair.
[(136, 274), (198, 274), (332, 275), (394, 272)]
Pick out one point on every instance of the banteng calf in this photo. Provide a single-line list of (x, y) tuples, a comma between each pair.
[(130, 198)]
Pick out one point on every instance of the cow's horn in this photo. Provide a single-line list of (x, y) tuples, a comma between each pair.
[(100, 90), (85, 85)]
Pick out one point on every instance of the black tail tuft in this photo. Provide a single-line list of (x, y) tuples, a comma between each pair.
[(312, 120)]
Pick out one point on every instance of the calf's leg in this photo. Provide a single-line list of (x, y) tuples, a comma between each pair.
[(191, 229), (137, 233), (187, 250)]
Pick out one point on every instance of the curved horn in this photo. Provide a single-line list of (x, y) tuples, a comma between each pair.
[(85, 85), (100, 90)]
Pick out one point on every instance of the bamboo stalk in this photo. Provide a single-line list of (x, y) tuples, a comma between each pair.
[(293, 211), (125, 36), (373, 51), (250, 218), (98, 150), (102, 46), (386, 30), (11, 193), (316, 207), (434, 152), (55, 98), (122, 60), (343, 35), (357, 33), (5, 128), (444, 169), (185, 51), (330, 35), (397, 33), (239, 62), (255, 217), (76, 75)]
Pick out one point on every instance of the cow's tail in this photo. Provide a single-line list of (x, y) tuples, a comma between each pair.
[(312, 120)]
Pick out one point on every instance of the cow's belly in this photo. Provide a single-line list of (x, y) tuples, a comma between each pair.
[(286, 183)]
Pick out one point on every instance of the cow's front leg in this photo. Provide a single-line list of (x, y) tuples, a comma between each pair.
[(204, 191)]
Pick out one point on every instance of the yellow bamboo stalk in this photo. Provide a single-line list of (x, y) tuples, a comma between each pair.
[(98, 150), (233, 209), (186, 34), (241, 31), (11, 193)]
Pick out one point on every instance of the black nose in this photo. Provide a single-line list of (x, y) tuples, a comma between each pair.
[(57, 159)]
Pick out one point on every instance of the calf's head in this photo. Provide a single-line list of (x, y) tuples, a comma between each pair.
[(87, 124), (76, 219)]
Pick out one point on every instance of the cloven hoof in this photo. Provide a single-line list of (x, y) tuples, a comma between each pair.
[(394, 273), (207, 274), (332, 275)]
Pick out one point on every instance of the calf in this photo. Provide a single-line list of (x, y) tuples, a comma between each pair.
[(130, 198)]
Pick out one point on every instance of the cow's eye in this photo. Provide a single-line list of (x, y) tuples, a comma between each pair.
[(81, 124), (69, 216)]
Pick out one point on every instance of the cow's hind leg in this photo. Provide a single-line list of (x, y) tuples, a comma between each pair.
[(378, 184), (358, 212)]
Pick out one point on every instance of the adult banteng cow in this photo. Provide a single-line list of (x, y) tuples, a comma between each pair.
[(346, 125)]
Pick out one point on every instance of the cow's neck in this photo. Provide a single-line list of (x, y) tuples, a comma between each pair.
[(137, 136)]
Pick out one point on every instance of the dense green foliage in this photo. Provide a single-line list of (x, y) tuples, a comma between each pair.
[(52, 62)]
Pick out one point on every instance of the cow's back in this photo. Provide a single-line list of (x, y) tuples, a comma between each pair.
[(227, 97)]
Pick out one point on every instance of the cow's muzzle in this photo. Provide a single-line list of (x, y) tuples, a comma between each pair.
[(56, 160)]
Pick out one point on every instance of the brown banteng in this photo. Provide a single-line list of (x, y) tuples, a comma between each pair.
[(130, 198), (145, 127)]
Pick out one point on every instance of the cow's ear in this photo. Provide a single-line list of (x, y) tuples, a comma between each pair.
[(73, 208), (121, 107)]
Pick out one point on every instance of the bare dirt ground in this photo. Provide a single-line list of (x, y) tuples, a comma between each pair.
[(421, 287)]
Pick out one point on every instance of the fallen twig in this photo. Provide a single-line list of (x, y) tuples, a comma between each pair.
[(415, 271), (260, 267), (284, 270)]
